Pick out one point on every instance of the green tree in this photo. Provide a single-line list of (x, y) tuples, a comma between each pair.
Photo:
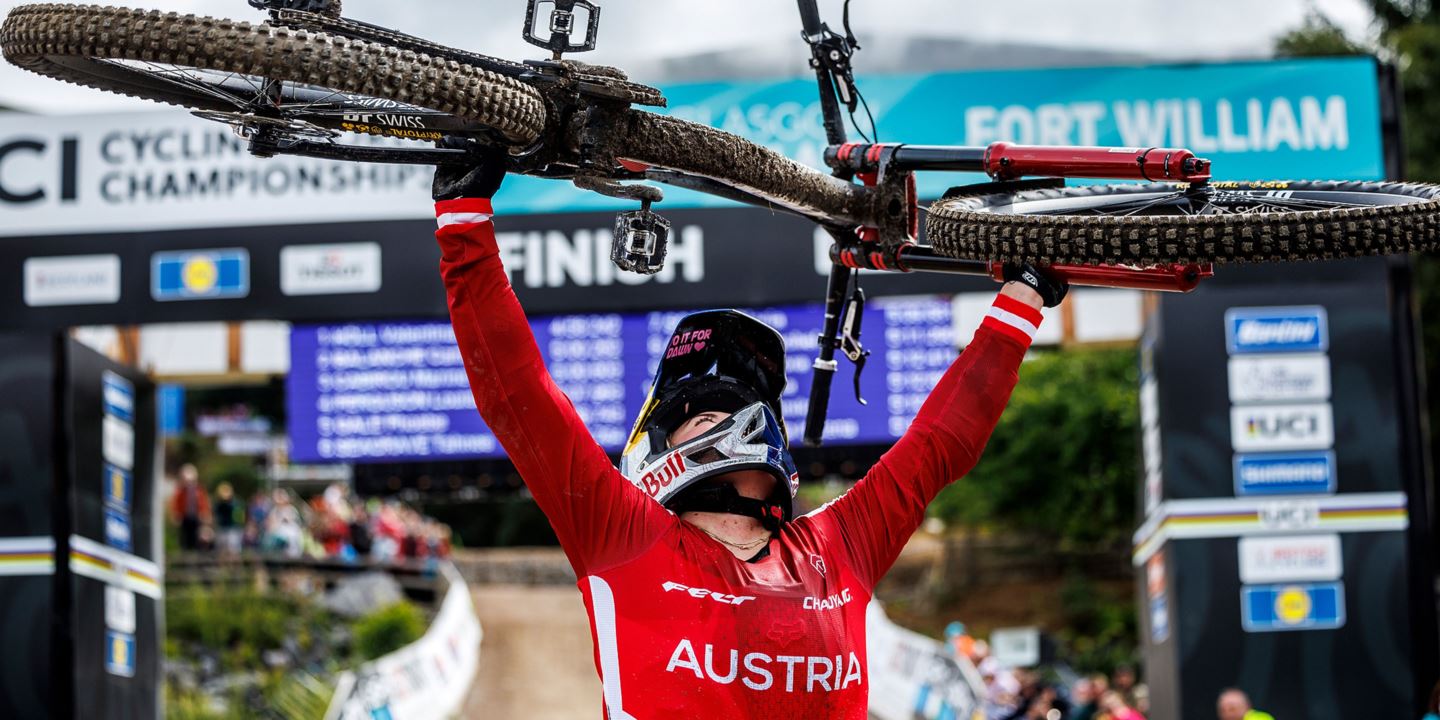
[(1061, 466)]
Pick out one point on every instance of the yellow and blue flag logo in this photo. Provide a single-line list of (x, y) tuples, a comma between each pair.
[(200, 274), (119, 653), (116, 487)]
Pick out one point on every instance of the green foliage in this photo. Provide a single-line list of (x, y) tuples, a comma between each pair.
[(299, 696), (388, 629), (1318, 37), (1061, 465), (1099, 628), (238, 624)]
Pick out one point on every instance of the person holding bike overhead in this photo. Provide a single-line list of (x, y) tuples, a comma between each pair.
[(707, 595)]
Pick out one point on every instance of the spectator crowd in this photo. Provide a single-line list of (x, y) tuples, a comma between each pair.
[(334, 524), (1017, 693)]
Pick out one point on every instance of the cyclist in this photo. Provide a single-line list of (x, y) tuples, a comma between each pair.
[(733, 607)]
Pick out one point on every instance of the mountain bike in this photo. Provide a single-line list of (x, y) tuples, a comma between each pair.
[(310, 82)]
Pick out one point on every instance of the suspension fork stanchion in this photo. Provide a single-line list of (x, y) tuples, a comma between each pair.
[(823, 371)]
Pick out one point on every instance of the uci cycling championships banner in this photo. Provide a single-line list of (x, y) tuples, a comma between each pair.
[(116, 173)]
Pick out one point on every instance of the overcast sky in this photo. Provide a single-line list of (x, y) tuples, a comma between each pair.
[(633, 31)]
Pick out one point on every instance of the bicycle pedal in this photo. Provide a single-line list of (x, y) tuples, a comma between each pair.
[(563, 21), (641, 239)]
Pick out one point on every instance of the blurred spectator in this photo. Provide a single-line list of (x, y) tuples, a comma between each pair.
[(1234, 704), (284, 532), (1002, 689), (1114, 707), (1433, 709), (190, 507), (229, 520), (1123, 682), (256, 515), (1037, 699), (360, 532), (1083, 696)]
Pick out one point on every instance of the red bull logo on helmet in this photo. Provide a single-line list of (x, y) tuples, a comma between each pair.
[(653, 481)]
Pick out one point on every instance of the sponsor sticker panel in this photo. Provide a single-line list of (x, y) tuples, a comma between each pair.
[(120, 653), (1290, 558), (72, 280), (1292, 606), (1282, 427), (200, 274), (1279, 378), (330, 269), (1277, 330), (1296, 473)]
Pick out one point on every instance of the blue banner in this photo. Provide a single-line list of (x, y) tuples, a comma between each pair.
[(1310, 118), (1306, 473), (398, 391)]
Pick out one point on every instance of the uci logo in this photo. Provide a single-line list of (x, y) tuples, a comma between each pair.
[(1293, 425), (32, 154), (660, 478)]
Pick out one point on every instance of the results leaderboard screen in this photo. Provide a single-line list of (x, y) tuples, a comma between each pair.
[(381, 392)]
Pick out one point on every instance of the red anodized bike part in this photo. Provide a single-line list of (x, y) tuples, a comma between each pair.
[(1006, 161), (1165, 278)]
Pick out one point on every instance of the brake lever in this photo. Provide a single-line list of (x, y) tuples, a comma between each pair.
[(850, 337)]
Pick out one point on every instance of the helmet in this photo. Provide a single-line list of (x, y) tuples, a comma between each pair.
[(721, 360)]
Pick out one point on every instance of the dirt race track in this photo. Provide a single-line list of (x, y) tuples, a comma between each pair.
[(536, 658)]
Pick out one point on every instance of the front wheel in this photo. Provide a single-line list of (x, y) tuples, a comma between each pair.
[(1156, 224)]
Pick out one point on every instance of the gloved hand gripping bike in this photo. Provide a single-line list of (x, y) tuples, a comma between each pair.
[(309, 82)]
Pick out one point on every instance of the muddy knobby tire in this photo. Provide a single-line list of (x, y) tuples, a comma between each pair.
[(67, 41), (961, 227)]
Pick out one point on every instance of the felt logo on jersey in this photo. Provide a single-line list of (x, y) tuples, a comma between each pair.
[(660, 478), (703, 593), (761, 671), (828, 603), (818, 563)]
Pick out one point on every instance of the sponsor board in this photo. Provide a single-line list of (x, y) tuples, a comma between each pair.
[(119, 609), (1277, 329), (1298, 473), (200, 274), (117, 488), (1271, 378), (117, 529), (120, 653), (117, 442), (1159, 619), (1282, 427), (330, 269), (1290, 558), (1293, 606), (118, 395), (1016, 647), (72, 280)]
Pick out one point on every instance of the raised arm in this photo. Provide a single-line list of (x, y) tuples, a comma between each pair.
[(600, 518), (877, 516)]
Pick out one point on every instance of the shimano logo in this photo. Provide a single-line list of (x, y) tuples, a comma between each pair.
[(695, 592), (829, 602), (760, 671), (1265, 332)]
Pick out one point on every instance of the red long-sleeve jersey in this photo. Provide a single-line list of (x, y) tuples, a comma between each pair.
[(680, 624)]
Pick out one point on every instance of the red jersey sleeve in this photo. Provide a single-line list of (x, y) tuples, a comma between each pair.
[(877, 516), (601, 519)]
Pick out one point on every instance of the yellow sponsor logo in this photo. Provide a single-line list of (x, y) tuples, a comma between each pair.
[(1292, 605), (199, 274), (406, 133)]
